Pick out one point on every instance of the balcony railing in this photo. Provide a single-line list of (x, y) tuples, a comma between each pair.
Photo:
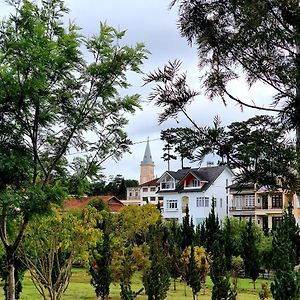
[(242, 208)]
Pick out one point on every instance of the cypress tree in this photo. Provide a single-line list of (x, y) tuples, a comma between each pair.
[(218, 273), (156, 278), (250, 252), (188, 233), (286, 283)]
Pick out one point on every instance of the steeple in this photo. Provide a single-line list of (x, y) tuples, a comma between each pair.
[(147, 165), (147, 155)]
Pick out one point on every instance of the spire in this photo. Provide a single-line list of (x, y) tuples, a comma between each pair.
[(147, 156)]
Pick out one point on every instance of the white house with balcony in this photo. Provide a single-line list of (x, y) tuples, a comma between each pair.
[(195, 188)]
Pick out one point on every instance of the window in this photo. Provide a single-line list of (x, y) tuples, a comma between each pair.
[(130, 194), (202, 201), (152, 198), (237, 201), (195, 183), (171, 204), (249, 200), (145, 199), (160, 198), (277, 201), (167, 183), (145, 189), (221, 202), (136, 194), (152, 189)]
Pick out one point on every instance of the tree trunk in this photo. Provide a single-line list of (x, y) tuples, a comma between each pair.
[(174, 284), (11, 293), (254, 284)]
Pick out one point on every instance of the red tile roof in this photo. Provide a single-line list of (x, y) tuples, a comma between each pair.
[(153, 182), (113, 202)]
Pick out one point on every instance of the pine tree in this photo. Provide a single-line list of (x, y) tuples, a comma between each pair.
[(156, 278), (286, 283), (188, 233), (250, 252), (218, 273), (101, 256), (212, 228)]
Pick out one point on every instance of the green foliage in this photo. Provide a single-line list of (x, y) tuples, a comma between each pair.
[(156, 278), (250, 251), (52, 243), (127, 270), (212, 228), (51, 96), (219, 274), (100, 260), (187, 230), (286, 280), (133, 223)]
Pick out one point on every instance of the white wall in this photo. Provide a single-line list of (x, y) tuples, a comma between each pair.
[(216, 190)]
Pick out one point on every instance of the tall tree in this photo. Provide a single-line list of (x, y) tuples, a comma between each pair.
[(187, 230), (212, 228), (218, 273), (256, 39), (156, 277), (50, 98), (250, 252), (286, 283), (100, 260)]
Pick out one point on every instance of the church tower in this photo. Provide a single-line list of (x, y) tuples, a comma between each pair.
[(147, 166)]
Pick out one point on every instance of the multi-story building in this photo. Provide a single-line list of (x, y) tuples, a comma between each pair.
[(265, 206), (148, 192), (195, 188)]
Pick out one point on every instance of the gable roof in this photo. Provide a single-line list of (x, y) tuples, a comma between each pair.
[(113, 202), (153, 182), (206, 174)]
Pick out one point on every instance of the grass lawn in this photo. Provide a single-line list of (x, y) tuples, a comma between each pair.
[(80, 288)]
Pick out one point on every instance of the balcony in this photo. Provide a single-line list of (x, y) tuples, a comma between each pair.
[(232, 208)]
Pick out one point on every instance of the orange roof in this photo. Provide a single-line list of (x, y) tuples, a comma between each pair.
[(113, 202), (153, 182)]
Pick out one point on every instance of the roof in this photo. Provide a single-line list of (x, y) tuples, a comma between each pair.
[(242, 186), (209, 174), (113, 202), (147, 155), (153, 182)]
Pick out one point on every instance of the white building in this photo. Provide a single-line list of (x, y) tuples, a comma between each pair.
[(195, 188), (148, 192)]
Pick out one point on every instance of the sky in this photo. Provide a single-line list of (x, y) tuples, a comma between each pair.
[(152, 23)]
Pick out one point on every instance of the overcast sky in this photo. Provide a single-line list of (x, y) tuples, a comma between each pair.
[(152, 23)]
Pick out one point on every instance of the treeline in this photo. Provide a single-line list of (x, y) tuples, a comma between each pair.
[(114, 246)]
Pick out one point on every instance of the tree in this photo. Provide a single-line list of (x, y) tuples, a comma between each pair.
[(127, 271), (133, 223), (218, 273), (256, 39), (286, 280), (250, 252), (52, 244), (212, 228), (195, 268), (50, 98), (187, 230), (174, 250), (122, 190), (156, 278), (100, 260)]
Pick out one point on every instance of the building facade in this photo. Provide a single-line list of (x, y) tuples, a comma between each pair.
[(263, 205), (197, 189)]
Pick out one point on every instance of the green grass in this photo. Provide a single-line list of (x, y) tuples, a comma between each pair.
[(80, 289)]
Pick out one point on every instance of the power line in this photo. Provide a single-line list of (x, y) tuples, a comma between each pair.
[(133, 143)]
